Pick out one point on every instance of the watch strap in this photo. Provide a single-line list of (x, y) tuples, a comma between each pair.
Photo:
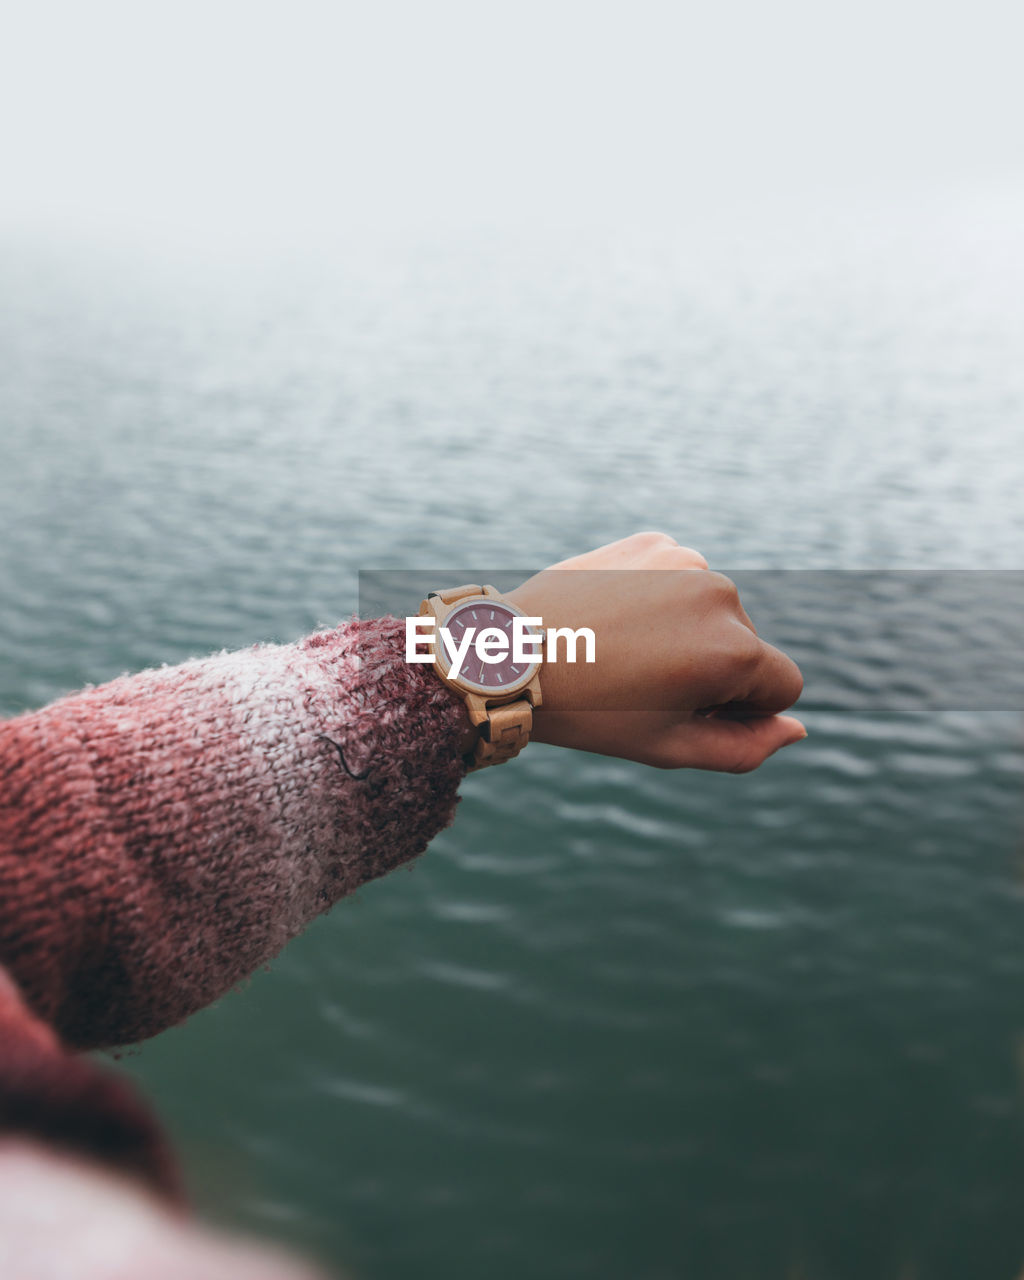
[(504, 734), (453, 594)]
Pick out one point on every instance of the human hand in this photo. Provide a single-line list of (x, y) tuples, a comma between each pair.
[(681, 678)]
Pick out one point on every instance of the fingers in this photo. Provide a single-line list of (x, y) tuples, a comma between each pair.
[(775, 685), (756, 680), (690, 559), (744, 675)]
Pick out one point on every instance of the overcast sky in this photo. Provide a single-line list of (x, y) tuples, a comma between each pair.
[(245, 118)]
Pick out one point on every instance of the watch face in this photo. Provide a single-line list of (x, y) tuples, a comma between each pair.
[(492, 677)]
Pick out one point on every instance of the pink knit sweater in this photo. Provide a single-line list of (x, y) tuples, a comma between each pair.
[(164, 834)]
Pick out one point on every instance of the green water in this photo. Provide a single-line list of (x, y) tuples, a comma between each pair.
[(616, 1022)]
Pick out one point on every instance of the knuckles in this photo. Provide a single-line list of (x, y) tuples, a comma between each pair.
[(651, 546), (722, 588), (650, 540)]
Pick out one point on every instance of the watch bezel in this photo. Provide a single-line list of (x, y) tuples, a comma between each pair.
[(492, 693)]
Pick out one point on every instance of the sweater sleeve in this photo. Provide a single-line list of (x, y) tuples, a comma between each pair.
[(164, 834)]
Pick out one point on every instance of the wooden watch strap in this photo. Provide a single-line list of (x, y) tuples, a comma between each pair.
[(506, 732), (451, 594)]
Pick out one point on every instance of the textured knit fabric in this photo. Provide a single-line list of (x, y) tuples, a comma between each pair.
[(166, 833)]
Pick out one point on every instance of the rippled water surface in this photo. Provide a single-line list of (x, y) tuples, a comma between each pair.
[(616, 1022)]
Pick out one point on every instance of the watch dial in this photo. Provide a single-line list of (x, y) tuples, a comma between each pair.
[(474, 617)]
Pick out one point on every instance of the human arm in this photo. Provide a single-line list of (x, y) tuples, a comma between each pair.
[(165, 833)]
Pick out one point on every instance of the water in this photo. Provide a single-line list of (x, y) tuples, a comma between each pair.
[(615, 1021)]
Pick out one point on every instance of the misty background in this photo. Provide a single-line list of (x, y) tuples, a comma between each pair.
[(246, 122)]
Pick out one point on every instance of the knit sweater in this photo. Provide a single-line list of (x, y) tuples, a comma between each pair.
[(164, 834)]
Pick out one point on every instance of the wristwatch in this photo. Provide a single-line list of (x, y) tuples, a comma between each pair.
[(500, 695)]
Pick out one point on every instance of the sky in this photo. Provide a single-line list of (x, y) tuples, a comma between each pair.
[(250, 120)]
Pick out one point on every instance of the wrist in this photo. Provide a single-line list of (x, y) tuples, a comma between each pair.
[(560, 679)]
